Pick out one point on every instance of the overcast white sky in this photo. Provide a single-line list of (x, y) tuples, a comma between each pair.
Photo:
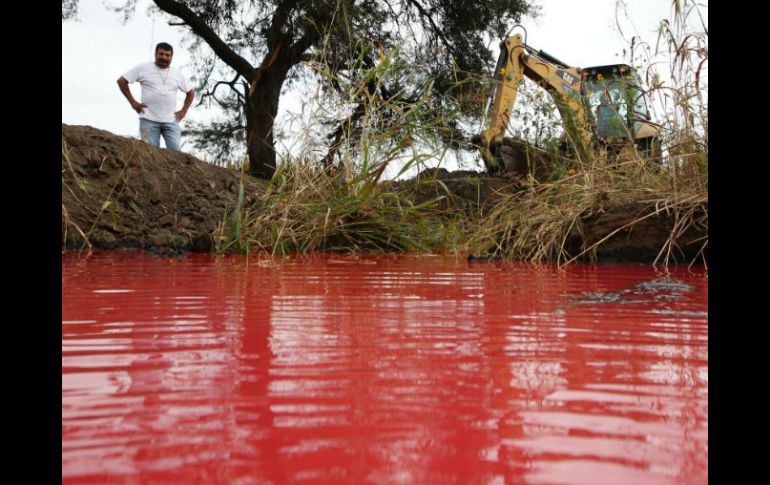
[(98, 48)]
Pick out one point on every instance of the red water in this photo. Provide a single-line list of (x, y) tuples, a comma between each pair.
[(386, 370)]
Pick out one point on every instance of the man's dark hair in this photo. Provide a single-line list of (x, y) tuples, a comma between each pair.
[(164, 46)]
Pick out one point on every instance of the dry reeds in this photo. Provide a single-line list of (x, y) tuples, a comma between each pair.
[(305, 208)]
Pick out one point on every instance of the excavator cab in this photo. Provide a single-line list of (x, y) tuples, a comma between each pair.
[(616, 105)]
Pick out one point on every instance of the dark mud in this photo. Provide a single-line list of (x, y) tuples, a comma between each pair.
[(462, 189), (628, 234)]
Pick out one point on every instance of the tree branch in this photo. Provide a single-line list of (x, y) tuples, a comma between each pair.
[(439, 33), (213, 92), (230, 57), (298, 49), (273, 35)]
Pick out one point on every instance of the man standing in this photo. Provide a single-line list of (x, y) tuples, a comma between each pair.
[(159, 83)]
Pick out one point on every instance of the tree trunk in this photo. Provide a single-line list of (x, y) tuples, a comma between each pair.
[(261, 110)]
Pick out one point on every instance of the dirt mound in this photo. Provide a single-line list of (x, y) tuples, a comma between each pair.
[(638, 233), (122, 192), (463, 188), (519, 157)]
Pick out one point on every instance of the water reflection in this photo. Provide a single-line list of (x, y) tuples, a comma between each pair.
[(380, 370)]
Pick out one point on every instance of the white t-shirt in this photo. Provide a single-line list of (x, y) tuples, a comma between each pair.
[(159, 90)]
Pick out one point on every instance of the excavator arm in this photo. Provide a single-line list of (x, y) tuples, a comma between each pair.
[(561, 81)]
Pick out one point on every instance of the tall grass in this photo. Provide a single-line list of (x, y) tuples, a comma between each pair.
[(305, 208), (675, 71), (542, 223)]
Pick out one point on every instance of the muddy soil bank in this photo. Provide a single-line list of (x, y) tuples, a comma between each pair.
[(119, 192), (632, 232)]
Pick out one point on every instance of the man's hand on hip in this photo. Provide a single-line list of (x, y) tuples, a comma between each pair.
[(180, 114), (138, 107)]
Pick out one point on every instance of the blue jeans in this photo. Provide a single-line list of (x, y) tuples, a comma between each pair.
[(150, 132)]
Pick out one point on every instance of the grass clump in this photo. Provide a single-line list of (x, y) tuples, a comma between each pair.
[(306, 208), (557, 221)]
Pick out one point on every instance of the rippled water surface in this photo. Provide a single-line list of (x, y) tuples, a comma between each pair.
[(383, 370)]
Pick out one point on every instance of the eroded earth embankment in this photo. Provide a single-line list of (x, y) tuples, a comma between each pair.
[(119, 192)]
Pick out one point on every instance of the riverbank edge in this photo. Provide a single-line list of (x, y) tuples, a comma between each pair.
[(119, 192)]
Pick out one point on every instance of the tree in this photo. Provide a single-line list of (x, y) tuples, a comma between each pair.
[(69, 9), (251, 49)]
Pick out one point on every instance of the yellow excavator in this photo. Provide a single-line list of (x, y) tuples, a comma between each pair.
[(601, 105)]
